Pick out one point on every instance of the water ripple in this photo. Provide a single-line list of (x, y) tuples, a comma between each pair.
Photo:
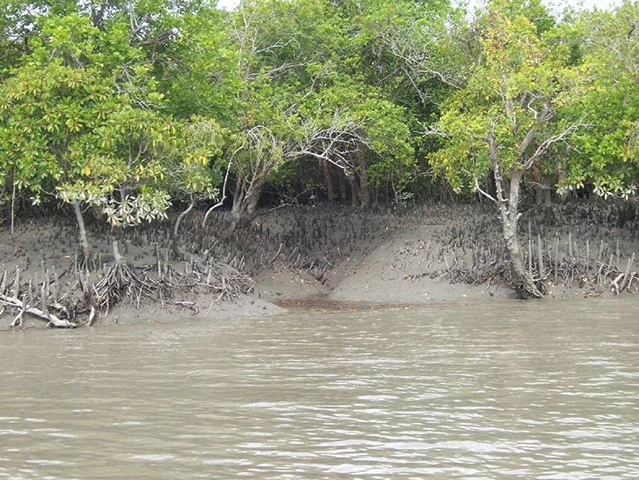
[(514, 390)]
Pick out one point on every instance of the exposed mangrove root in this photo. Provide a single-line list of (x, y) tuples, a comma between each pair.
[(118, 282), (90, 295), (551, 260), (467, 250)]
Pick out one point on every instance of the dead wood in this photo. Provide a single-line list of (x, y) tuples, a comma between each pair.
[(23, 307)]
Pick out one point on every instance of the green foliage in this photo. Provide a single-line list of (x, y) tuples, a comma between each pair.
[(129, 105), (78, 121), (302, 82), (513, 98), (608, 157), (200, 75)]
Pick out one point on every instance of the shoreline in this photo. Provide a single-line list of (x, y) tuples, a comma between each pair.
[(325, 258)]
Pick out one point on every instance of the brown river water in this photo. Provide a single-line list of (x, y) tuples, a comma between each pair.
[(546, 390)]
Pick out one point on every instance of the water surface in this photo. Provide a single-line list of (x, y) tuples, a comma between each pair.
[(545, 390)]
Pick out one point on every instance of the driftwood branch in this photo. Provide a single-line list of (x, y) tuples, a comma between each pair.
[(52, 320)]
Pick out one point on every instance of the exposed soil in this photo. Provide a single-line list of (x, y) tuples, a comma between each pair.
[(330, 257)]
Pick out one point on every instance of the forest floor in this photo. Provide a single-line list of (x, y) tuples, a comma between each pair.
[(327, 257)]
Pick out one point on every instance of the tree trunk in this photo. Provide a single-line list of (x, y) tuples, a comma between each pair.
[(524, 284), (84, 242), (364, 193), (251, 203), (330, 187), (223, 197), (343, 187), (352, 181), (117, 256), (238, 197), (13, 206), (176, 228), (539, 189), (547, 194), (245, 202)]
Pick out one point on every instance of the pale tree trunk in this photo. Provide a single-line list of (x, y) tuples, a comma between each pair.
[(13, 218), (13, 205), (539, 190), (251, 204), (84, 241), (181, 216), (352, 181), (222, 199), (117, 256), (238, 197), (547, 192), (343, 186), (508, 206), (176, 227), (118, 259), (245, 201)]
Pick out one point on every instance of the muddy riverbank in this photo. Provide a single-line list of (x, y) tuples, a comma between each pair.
[(318, 257)]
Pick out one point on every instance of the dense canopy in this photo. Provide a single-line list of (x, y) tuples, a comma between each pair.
[(131, 106)]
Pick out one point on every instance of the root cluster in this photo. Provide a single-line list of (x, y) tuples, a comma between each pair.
[(594, 265), (219, 261), (79, 296)]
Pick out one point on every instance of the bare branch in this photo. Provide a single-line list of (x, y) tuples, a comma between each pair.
[(334, 143), (434, 131), (541, 118), (414, 47), (478, 189), (546, 144)]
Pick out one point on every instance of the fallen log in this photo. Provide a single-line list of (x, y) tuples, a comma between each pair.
[(52, 320)]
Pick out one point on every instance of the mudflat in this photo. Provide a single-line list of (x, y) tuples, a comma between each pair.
[(325, 256)]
